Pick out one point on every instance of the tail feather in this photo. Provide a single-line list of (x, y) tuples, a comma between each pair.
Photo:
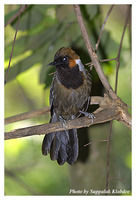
[(62, 146), (63, 154), (72, 146), (46, 145), (55, 146)]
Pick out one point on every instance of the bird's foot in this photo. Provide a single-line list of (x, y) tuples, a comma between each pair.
[(89, 115)]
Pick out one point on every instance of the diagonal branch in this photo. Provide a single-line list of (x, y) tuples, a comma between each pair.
[(93, 55)]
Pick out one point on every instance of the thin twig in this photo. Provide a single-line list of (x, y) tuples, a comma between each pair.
[(117, 72), (51, 73), (13, 45), (108, 155), (93, 55), (118, 179), (97, 44), (107, 60), (16, 15), (94, 142), (120, 46), (104, 60), (116, 82)]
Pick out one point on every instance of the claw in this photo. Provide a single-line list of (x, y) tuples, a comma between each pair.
[(89, 115)]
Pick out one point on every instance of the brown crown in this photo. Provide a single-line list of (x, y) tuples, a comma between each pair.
[(67, 51)]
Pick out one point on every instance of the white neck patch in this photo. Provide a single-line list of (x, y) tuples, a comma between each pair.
[(81, 66)]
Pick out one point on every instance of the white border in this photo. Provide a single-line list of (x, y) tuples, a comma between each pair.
[(2, 197)]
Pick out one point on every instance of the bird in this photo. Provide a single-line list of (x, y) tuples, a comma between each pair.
[(69, 98)]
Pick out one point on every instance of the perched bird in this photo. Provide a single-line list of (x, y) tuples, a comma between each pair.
[(69, 97)]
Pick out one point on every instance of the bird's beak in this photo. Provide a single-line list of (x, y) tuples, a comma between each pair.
[(52, 63)]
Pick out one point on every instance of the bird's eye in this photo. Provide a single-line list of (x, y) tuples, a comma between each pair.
[(64, 59)]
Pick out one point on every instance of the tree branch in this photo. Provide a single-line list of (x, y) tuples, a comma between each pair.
[(108, 110), (35, 113), (93, 55), (27, 115)]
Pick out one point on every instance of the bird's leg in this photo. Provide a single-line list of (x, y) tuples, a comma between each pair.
[(89, 115), (63, 122)]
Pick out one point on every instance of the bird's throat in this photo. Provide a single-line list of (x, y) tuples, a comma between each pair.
[(70, 78)]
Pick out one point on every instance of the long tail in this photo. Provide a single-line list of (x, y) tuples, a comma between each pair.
[(62, 146)]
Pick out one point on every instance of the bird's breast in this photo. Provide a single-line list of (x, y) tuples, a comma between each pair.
[(68, 101)]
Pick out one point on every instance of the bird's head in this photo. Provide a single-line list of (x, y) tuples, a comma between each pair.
[(65, 57)]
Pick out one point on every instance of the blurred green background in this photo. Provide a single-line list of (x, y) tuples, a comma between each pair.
[(43, 29)]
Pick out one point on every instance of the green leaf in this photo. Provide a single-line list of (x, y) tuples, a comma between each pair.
[(10, 15), (23, 66), (92, 10)]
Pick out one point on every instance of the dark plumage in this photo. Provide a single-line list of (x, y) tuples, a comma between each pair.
[(69, 94)]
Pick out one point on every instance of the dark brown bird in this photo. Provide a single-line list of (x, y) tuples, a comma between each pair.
[(69, 97)]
